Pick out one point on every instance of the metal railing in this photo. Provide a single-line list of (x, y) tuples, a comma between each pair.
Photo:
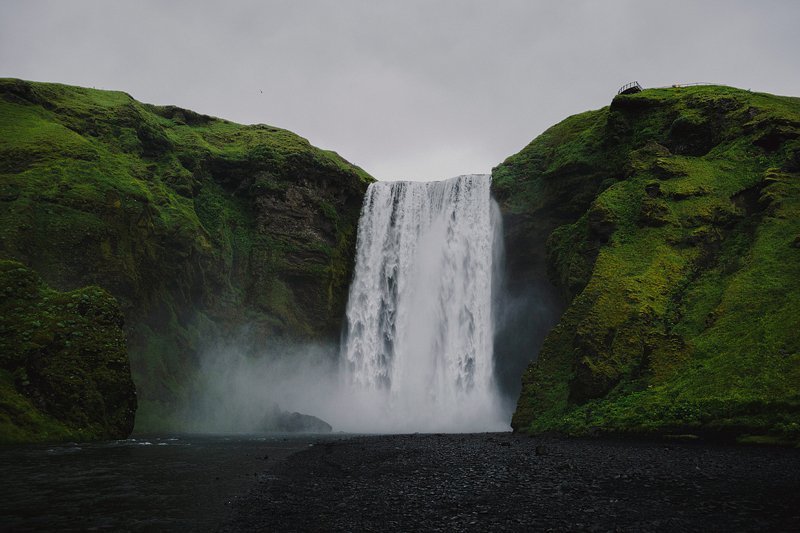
[(632, 87), (679, 85)]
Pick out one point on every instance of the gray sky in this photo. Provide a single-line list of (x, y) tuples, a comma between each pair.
[(406, 89)]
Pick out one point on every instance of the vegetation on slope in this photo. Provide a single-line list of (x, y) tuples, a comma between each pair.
[(64, 370), (673, 218), (196, 225)]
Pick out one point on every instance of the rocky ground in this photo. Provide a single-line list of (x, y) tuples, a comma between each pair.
[(503, 482)]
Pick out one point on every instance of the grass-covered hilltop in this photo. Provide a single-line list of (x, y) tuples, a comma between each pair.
[(670, 222), (196, 226)]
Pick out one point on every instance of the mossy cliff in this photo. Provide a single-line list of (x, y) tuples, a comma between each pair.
[(64, 371), (670, 222), (199, 227)]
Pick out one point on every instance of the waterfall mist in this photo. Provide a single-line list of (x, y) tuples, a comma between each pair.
[(417, 349), (239, 390)]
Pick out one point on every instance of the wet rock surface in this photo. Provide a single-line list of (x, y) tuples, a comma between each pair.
[(286, 422), (504, 482)]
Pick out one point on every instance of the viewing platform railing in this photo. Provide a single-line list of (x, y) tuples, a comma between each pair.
[(634, 87), (630, 88)]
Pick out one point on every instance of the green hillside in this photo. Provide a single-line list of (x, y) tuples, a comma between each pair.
[(196, 225), (670, 222)]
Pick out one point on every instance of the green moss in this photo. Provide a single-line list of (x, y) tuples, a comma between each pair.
[(21, 421), (680, 269), (186, 219), (64, 370)]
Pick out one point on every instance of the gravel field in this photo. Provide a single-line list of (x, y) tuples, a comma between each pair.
[(505, 482)]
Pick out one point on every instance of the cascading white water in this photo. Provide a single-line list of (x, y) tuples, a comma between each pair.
[(418, 344)]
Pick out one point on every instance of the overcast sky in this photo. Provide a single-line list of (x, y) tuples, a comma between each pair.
[(405, 89)]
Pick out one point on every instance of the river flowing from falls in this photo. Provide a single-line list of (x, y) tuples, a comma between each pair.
[(420, 323)]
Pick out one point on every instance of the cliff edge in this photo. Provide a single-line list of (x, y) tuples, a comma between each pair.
[(199, 227), (669, 222)]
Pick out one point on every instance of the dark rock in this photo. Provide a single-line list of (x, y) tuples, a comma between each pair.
[(285, 422), (601, 222), (653, 213), (776, 133), (300, 423), (653, 190), (692, 135)]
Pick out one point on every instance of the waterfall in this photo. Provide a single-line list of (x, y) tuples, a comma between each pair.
[(419, 336)]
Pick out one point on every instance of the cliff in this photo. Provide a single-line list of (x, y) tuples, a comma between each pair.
[(669, 222), (199, 227), (64, 371)]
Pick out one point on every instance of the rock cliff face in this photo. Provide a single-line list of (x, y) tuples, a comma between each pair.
[(196, 225), (669, 222), (64, 371)]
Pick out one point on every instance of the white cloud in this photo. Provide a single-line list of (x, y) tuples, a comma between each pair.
[(414, 89)]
